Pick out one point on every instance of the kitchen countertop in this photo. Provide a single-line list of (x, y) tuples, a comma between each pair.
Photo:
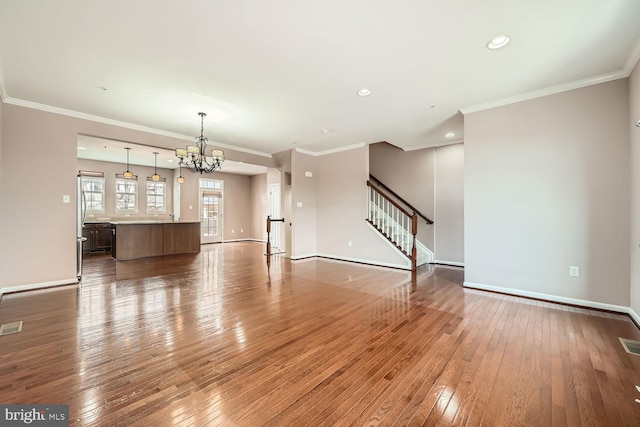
[(151, 222)]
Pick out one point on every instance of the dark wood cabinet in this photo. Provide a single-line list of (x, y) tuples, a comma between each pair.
[(98, 238)]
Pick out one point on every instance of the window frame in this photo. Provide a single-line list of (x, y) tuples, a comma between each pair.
[(134, 209), (88, 199), (157, 184)]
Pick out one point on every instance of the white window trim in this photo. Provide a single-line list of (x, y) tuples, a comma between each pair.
[(135, 208), (164, 198), (103, 192)]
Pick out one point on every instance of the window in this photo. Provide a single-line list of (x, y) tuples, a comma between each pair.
[(126, 196), (156, 192), (211, 183), (93, 189)]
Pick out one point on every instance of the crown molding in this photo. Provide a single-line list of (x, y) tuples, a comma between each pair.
[(3, 92), (333, 150), (633, 58), (104, 120), (434, 145), (603, 78)]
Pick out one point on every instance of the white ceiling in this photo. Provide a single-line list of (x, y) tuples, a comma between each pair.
[(272, 75)]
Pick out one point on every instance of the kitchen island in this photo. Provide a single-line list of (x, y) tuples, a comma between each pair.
[(144, 239)]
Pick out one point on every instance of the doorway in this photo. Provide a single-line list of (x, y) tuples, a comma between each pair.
[(211, 211), (275, 212)]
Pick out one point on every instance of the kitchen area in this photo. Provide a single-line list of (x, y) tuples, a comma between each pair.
[(135, 201), (126, 210)]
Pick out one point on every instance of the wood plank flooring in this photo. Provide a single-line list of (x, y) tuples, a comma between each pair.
[(220, 338)]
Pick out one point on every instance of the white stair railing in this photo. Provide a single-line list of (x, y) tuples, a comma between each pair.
[(394, 222)]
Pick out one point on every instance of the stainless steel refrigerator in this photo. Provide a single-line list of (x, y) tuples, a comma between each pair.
[(81, 214)]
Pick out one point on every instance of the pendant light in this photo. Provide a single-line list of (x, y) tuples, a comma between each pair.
[(180, 177), (127, 174), (155, 177)]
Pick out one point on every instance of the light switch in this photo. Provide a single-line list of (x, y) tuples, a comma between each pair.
[(299, 204), (574, 271), (308, 174), (66, 199)]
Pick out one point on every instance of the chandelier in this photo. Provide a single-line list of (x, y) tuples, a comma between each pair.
[(194, 157)]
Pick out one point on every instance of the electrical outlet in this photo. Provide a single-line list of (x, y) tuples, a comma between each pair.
[(350, 243), (574, 271), (242, 230), (66, 199), (233, 230)]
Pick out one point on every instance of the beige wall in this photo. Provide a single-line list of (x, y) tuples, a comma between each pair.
[(634, 109), (259, 206), (449, 204), (342, 210), (411, 175), (303, 191), (546, 187), (1, 194), (110, 170), (51, 141), (237, 220)]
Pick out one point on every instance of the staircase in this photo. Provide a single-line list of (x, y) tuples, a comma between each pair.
[(397, 223)]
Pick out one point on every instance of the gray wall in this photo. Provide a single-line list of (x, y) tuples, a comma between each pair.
[(237, 222), (411, 175), (342, 210), (448, 218), (634, 109), (546, 187), (55, 137), (303, 190), (259, 206), (2, 222), (431, 179)]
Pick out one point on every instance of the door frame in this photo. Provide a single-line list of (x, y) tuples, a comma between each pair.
[(201, 191)]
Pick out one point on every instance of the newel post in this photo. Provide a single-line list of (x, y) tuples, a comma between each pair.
[(414, 252), (268, 235)]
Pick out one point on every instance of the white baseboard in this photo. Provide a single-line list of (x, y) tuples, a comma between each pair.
[(455, 263), (244, 240), (549, 297), (357, 260), (634, 316), (42, 285)]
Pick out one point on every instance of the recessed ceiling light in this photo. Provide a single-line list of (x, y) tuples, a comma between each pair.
[(449, 135), (325, 131), (498, 42), (82, 148), (364, 92)]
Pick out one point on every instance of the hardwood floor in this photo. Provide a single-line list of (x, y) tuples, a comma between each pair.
[(217, 338)]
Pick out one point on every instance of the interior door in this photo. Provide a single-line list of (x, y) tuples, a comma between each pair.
[(211, 216)]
